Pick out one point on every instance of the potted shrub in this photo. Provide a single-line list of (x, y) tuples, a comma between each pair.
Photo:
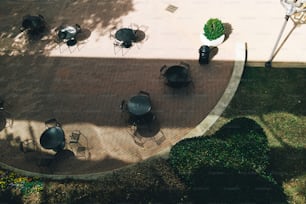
[(213, 34)]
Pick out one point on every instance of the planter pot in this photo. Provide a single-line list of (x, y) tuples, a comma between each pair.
[(213, 43)]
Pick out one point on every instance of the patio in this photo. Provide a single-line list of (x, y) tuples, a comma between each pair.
[(85, 94), (83, 88)]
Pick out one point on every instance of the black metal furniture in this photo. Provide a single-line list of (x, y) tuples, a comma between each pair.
[(5, 116), (177, 76), (68, 33), (139, 105), (34, 24), (53, 138), (126, 36)]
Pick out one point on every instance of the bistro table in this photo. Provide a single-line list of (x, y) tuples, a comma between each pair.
[(126, 35), (53, 138), (139, 105), (34, 24), (177, 76)]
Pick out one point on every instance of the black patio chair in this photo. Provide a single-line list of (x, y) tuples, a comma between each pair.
[(52, 123), (79, 148), (123, 106), (144, 93), (5, 116)]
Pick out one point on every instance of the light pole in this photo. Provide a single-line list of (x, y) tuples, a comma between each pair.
[(292, 7)]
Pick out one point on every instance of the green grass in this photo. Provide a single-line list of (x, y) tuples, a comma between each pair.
[(275, 99)]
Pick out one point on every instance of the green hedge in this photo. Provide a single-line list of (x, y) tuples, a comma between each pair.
[(240, 145)]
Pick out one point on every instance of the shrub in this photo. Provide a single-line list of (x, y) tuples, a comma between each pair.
[(240, 145), (213, 29), (11, 180)]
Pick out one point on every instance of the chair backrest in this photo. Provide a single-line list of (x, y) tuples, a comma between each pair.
[(123, 106), (1, 104), (78, 28), (143, 93), (52, 123), (163, 70), (187, 66), (41, 17)]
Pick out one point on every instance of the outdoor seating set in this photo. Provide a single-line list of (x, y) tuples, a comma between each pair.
[(36, 25), (138, 108), (53, 138), (125, 37), (68, 34)]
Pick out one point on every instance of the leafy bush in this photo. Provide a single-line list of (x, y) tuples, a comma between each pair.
[(11, 180), (213, 29), (240, 145), (229, 166)]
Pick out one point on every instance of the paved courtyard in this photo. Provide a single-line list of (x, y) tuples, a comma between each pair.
[(82, 87)]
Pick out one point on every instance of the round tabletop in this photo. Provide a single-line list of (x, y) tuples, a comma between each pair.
[(125, 35), (139, 105), (176, 73), (32, 22), (53, 138)]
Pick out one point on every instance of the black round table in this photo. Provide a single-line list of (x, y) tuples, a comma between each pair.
[(125, 35), (34, 23), (177, 76), (139, 105), (53, 138)]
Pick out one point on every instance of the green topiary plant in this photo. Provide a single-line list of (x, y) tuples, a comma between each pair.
[(213, 29)]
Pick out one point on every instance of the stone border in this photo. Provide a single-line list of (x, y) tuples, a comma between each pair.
[(199, 130)]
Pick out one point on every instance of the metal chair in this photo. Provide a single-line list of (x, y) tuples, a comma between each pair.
[(80, 150), (74, 137), (71, 43), (141, 34), (5, 117), (52, 123), (63, 36), (28, 145), (120, 46), (144, 93)]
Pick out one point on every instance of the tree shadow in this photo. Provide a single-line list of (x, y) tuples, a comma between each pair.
[(215, 185), (287, 162), (95, 15), (7, 196)]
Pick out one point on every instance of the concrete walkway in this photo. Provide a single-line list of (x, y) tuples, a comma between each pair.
[(83, 86)]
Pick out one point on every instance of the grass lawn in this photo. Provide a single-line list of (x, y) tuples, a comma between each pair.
[(275, 99)]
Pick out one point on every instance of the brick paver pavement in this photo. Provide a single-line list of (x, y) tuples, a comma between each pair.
[(83, 87)]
